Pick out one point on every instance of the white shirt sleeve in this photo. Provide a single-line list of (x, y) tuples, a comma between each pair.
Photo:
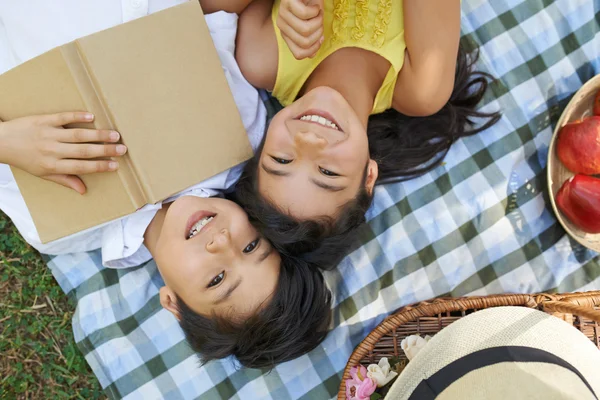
[(6, 57)]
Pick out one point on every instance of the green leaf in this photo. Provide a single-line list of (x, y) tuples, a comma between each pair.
[(376, 396)]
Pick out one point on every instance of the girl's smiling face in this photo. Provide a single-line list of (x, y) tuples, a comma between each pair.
[(315, 156), (210, 255)]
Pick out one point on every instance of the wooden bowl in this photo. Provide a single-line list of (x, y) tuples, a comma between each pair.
[(579, 107)]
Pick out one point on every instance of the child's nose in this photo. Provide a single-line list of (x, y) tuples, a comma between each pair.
[(310, 140), (220, 241)]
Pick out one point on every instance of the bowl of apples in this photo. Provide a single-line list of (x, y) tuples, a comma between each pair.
[(574, 166)]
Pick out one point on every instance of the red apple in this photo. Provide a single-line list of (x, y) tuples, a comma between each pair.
[(579, 200), (597, 104), (578, 146)]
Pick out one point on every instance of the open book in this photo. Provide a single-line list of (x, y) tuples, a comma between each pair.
[(157, 81)]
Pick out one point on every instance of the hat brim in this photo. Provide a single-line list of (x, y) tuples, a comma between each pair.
[(482, 353)]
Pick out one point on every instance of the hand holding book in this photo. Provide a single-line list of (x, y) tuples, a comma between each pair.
[(41, 146)]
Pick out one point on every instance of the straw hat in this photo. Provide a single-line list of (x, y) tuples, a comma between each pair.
[(503, 353)]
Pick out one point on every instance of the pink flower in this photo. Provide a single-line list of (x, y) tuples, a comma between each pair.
[(352, 386), (359, 386), (366, 389), (358, 373)]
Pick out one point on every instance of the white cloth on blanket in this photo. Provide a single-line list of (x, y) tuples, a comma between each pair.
[(29, 28)]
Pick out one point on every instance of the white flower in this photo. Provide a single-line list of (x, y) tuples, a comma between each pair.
[(413, 344), (381, 373)]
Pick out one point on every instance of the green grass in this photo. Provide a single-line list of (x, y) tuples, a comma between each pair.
[(38, 356)]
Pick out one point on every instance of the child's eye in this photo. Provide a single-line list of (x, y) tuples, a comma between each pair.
[(252, 246), (217, 279), (327, 172), (281, 160)]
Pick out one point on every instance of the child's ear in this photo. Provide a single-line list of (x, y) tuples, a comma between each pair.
[(372, 174), (169, 301)]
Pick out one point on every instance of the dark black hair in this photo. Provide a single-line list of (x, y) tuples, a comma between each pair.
[(408, 147), (403, 147), (293, 322), (318, 242)]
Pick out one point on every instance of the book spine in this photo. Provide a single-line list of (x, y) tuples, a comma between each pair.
[(91, 94)]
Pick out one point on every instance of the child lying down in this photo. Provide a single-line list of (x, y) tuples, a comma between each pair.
[(231, 291)]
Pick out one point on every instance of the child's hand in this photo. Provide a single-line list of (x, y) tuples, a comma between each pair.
[(301, 26), (39, 145)]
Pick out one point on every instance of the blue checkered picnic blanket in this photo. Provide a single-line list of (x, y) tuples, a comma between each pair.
[(479, 224)]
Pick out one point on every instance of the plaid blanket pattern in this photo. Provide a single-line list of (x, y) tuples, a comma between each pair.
[(479, 224)]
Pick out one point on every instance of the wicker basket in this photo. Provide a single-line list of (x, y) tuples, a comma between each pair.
[(429, 317)]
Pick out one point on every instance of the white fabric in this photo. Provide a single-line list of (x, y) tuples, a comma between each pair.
[(29, 28)]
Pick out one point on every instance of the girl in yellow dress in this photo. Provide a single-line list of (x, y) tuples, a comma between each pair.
[(373, 91)]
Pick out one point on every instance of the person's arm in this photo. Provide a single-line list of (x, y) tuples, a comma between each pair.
[(41, 146), (256, 45), (230, 6), (432, 34)]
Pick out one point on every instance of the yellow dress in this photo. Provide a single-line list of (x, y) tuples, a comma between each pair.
[(374, 25)]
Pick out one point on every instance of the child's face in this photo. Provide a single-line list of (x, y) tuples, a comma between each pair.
[(312, 168), (219, 267)]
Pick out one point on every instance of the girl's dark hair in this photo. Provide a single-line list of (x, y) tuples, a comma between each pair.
[(321, 242), (408, 147), (403, 147), (292, 323)]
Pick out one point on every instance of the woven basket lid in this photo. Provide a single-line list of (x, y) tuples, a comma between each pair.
[(503, 353)]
